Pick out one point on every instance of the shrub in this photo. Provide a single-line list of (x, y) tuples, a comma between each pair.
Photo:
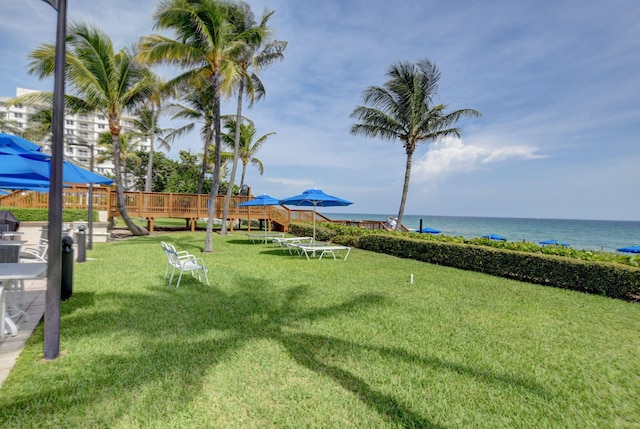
[(42, 215), (612, 280)]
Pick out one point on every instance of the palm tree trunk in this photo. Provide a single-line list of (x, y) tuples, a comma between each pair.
[(152, 134), (208, 242), (405, 187), (244, 170), (234, 168), (122, 207), (205, 156)]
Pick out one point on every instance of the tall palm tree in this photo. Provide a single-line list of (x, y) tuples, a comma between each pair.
[(248, 146), (146, 125), (149, 115), (403, 109), (7, 125), (100, 79), (197, 107), (254, 55), (128, 145), (205, 46)]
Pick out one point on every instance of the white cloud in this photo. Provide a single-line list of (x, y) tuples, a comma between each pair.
[(453, 156)]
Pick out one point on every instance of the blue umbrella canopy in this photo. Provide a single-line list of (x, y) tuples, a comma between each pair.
[(262, 200), (17, 143), (553, 243), (315, 198), (427, 230), (494, 237), (21, 160), (629, 249)]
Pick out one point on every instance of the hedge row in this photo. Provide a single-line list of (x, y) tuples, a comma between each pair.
[(42, 215), (612, 280)]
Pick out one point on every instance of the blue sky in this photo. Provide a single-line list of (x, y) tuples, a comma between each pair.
[(558, 84)]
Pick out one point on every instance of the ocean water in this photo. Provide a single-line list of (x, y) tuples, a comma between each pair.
[(603, 235)]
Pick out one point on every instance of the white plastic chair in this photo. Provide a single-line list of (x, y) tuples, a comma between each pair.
[(39, 251), (183, 262)]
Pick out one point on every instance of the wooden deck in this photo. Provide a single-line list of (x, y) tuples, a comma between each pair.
[(153, 205)]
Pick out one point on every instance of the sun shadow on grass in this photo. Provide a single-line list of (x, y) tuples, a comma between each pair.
[(161, 338)]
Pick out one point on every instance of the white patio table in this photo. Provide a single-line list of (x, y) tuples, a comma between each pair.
[(10, 273)]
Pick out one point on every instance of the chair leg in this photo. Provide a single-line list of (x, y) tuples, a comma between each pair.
[(179, 278)]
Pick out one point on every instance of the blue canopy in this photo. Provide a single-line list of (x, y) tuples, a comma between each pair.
[(630, 249), (262, 200), (315, 198), (427, 230), (18, 143), (553, 243), (21, 160), (495, 237)]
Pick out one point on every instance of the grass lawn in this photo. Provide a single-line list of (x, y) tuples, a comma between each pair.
[(279, 341)]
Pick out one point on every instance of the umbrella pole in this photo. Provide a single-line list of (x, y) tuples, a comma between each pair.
[(314, 222)]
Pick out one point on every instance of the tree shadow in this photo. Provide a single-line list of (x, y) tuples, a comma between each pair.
[(175, 350)]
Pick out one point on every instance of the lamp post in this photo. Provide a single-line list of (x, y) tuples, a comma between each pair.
[(90, 215), (54, 266)]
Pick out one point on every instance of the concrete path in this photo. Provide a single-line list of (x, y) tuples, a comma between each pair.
[(11, 347)]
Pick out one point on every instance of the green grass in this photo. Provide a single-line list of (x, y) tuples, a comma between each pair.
[(279, 341)]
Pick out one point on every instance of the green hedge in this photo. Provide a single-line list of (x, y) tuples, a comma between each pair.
[(306, 230), (612, 280), (42, 215)]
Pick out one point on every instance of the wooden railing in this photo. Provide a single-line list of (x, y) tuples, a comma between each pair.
[(152, 205)]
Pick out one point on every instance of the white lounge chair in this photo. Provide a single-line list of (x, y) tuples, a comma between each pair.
[(39, 251)]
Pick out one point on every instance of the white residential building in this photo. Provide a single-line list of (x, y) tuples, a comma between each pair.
[(81, 133)]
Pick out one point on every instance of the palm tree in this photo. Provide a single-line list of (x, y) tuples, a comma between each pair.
[(250, 59), (100, 79), (403, 109), (197, 107), (7, 125), (127, 150), (248, 145), (205, 47), (147, 124)]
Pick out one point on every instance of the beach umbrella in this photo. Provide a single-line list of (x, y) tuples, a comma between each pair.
[(315, 198), (18, 143), (494, 237), (427, 230), (24, 184), (263, 200), (19, 163), (553, 243), (629, 249)]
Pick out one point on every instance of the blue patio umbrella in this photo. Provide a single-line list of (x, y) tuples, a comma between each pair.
[(494, 237), (24, 184), (18, 163), (629, 249), (18, 143), (553, 243), (262, 200), (315, 198), (427, 230)]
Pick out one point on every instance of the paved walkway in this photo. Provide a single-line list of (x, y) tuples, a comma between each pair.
[(11, 347)]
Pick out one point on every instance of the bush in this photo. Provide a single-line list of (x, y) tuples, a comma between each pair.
[(612, 280), (306, 230), (42, 215)]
